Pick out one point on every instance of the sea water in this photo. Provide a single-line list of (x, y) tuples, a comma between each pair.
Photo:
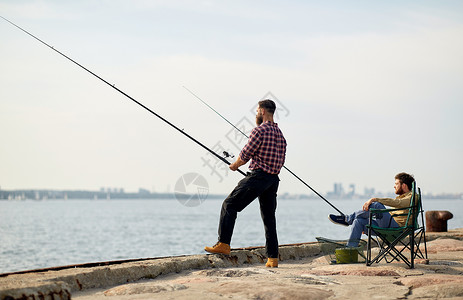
[(42, 234)]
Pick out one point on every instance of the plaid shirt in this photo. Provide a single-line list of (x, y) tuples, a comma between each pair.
[(266, 147)]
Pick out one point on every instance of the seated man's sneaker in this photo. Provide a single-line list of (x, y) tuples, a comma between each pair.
[(272, 263), (340, 220), (219, 248)]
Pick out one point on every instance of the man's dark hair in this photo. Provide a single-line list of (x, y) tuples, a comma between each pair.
[(268, 105), (405, 178)]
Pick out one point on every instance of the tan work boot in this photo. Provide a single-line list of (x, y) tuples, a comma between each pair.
[(220, 248), (272, 263)]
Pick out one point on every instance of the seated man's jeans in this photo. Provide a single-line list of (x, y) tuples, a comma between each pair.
[(358, 220)]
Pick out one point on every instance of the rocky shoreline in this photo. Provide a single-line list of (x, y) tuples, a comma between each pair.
[(303, 273)]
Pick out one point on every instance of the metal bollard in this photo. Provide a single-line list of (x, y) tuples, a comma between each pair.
[(436, 220)]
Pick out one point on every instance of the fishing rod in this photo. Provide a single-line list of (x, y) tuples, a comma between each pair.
[(239, 130), (123, 93)]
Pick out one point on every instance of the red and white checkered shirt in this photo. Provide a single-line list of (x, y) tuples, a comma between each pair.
[(266, 148)]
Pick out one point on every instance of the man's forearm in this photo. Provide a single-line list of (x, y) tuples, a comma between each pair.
[(367, 204), (238, 163)]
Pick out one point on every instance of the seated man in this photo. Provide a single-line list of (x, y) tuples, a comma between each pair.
[(359, 219)]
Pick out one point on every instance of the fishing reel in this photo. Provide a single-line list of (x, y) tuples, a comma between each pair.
[(227, 155)]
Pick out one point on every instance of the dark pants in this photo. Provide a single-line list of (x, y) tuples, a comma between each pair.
[(257, 184)]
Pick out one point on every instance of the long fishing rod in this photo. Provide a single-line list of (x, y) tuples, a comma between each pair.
[(125, 94), (239, 130)]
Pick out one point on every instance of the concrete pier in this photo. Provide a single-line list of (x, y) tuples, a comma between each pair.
[(303, 273)]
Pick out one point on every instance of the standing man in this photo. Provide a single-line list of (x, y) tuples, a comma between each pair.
[(359, 220), (266, 147)]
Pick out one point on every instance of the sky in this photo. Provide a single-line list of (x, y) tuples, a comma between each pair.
[(364, 89)]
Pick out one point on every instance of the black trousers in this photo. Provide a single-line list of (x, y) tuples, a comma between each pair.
[(258, 184)]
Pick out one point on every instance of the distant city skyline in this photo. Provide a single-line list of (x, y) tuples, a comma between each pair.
[(338, 192)]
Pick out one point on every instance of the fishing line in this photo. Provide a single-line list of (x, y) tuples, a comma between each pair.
[(291, 172), (123, 93)]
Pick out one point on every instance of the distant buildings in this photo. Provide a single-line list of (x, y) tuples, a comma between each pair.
[(339, 193), (369, 192), (103, 193)]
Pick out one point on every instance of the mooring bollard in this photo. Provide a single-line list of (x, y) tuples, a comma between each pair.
[(436, 220)]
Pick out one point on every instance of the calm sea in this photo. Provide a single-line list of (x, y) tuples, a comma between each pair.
[(40, 234)]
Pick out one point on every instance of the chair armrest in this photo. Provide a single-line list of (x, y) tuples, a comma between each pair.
[(373, 210)]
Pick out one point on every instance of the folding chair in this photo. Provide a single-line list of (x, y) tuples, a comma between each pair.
[(394, 243)]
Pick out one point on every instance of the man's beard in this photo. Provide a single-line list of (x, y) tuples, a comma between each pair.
[(400, 191), (259, 119)]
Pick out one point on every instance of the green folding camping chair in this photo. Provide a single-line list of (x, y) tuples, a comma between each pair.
[(395, 243)]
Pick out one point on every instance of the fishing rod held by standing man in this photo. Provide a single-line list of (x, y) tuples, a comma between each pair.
[(125, 94)]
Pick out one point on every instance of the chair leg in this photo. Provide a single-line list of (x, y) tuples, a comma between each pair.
[(368, 260), (389, 248), (412, 249), (424, 240)]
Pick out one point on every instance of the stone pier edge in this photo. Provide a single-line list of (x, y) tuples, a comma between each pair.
[(61, 283)]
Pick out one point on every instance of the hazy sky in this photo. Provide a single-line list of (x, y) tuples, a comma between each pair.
[(368, 89)]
